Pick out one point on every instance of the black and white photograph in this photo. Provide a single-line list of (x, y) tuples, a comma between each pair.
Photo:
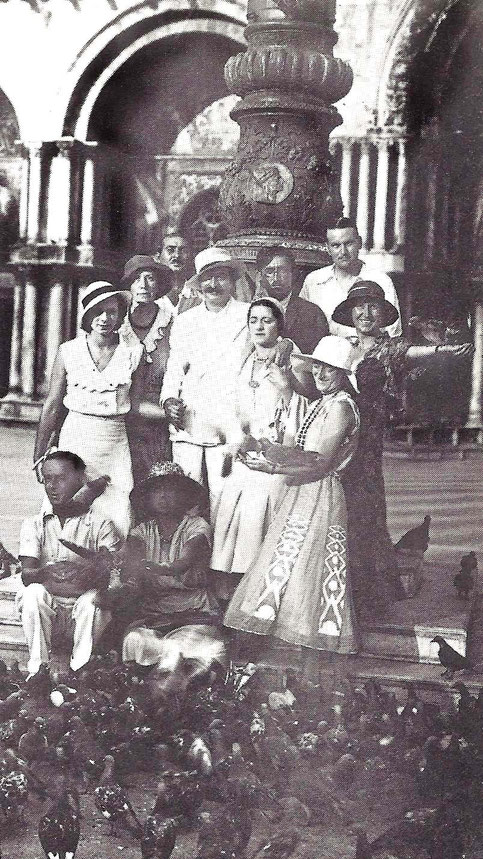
[(241, 429)]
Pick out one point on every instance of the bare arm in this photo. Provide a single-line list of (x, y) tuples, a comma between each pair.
[(53, 406), (422, 354), (318, 463), (139, 406)]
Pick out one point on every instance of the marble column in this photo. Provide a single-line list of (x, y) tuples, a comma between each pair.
[(475, 414), (363, 194), (380, 205), (401, 196), (59, 193), (23, 208), (346, 175), (28, 357), (15, 375), (55, 324), (87, 203), (34, 192)]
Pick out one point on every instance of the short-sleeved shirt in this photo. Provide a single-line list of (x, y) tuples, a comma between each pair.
[(40, 536), (91, 391), (322, 288)]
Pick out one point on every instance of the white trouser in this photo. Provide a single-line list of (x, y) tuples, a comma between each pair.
[(204, 464), (40, 610)]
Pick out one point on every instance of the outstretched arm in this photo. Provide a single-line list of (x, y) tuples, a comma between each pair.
[(423, 354)]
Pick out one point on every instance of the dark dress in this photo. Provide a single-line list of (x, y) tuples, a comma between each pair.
[(149, 440), (372, 557)]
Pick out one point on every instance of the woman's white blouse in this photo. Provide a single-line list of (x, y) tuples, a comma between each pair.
[(91, 391)]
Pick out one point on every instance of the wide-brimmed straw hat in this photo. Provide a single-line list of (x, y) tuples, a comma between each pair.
[(335, 351), (212, 258), (99, 291), (167, 474), (141, 262), (364, 290)]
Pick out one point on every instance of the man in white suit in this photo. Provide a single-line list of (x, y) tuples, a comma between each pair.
[(198, 392)]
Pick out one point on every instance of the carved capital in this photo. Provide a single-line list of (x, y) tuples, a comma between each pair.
[(289, 68)]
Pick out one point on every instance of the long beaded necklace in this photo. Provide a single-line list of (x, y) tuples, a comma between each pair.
[(259, 360), (302, 433)]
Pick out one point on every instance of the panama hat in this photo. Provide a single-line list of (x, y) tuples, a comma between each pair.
[(364, 290), (99, 291), (212, 258), (141, 262), (335, 351)]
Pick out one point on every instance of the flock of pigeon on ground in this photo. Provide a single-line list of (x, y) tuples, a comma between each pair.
[(227, 753)]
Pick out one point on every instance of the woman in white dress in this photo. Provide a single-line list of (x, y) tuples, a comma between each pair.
[(267, 408), (95, 377)]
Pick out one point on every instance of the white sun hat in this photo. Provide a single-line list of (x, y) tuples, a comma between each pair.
[(332, 350)]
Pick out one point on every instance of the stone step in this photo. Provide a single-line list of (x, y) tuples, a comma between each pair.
[(411, 643)]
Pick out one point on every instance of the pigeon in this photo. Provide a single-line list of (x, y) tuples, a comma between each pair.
[(450, 659), (13, 794), (159, 837), (113, 802), (59, 827), (416, 538), (464, 583), (32, 745)]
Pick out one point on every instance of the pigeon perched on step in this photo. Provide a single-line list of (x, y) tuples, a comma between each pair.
[(450, 659), (416, 539)]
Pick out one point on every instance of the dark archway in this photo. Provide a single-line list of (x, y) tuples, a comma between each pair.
[(139, 114), (444, 115), (445, 120)]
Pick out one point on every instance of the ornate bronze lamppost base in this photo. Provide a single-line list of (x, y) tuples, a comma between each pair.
[(281, 188)]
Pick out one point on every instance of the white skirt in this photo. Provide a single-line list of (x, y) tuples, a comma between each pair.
[(103, 445)]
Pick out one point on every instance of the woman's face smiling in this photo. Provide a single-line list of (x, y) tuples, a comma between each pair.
[(263, 326), (106, 320), (327, 379), (368, 316)]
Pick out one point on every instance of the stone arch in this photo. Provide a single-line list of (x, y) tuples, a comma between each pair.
[(128, 34), (416, 26)]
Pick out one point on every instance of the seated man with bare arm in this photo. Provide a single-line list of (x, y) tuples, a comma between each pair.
[(56, 594)]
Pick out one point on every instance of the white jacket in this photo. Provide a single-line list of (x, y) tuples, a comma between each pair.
[(202, 370)]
